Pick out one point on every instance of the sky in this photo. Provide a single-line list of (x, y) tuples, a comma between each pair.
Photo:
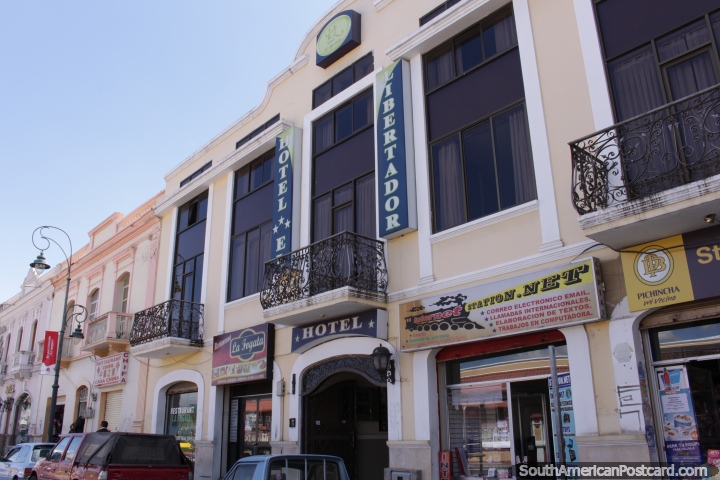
[(100, 99)]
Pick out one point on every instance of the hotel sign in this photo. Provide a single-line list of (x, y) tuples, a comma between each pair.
[(397, 211), (111, 370), (673, 270), (373, 323), (287, 149), (243, 355), (547, 299), (339, 35)]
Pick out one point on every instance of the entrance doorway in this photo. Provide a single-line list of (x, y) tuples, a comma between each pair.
[(346, 416), (531, 425)]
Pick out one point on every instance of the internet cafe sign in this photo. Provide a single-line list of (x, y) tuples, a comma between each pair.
[(243, 355), (550, 298), (111, 370), (676, 269)]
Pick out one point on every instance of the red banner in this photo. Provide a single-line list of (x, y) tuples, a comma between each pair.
[(445, 465), (50, 350)]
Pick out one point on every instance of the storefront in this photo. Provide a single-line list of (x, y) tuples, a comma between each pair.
[(497, 399), (242, 362), (181, 416)]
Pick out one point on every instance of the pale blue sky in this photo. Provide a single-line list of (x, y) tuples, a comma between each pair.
[(100, 99)]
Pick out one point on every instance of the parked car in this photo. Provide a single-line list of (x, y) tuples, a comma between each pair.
[(116, 455), (288, 467), (21, 458)]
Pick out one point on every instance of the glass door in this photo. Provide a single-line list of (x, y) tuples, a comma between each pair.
[(531, 422)]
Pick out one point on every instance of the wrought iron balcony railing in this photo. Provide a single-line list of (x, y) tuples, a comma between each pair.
[(174, 318), (673, 145), (343, 260)]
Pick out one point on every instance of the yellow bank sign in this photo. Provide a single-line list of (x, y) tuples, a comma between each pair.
[(673, 270)]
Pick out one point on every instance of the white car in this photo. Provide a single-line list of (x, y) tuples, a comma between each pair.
[(21, 459)]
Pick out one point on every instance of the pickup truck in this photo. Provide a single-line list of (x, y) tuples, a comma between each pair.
[(288, 467), (116, 456)]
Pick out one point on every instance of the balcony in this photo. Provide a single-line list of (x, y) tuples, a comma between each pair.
[(108, 334), (67, 353), (652, 176), (21, 365), (170, 328), (341, 275)]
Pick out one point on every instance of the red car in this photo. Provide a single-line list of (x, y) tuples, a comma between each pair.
[(117, 456)]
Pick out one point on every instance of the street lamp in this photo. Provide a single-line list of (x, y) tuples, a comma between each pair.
[(40, 264), (77, 334), (383, 364)]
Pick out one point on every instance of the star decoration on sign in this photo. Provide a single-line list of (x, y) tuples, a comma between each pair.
[(287, 223), (371, 324), (297, 338), (275, 229)]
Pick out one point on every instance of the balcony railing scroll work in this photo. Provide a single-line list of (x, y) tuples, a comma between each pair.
[(343, 260), (171, 319), (674, 145)]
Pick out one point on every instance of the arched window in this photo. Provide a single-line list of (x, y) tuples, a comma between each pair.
[(7, 348), (33, 334), (19, 340), (93, 304), (122, 293)]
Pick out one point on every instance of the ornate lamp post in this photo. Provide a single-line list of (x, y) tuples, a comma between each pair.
[(40, 264)]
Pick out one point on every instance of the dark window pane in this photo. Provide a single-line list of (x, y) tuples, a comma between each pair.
[(365, 206), (202, 207), (343, 194), (323, 133), (268, 169), (500, 36), (468, 51), (429, 16), (322, 94), (256, 176), (183, 217), (253, 209), (635, 83), (344, 162), (242, 178), (343, 221), (187, 288), (691, 76), (322, 223), (683, 40), (362, 111), (197, 274), (439, 67), (363, 67), (342, 80), (448, 191), (343, 122), (252, 261), (191, 242), (237, 268), (514, 161), (481, 181), (265, 251)]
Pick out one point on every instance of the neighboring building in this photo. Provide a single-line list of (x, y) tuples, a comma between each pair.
[(112, 277), (406, 181), (23, 320)]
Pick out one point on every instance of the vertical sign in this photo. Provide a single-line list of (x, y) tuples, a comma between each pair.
[(287, 148), (680, 429), (445, 466), (567, 417), (397, 211), (234, 419), (49, 353)]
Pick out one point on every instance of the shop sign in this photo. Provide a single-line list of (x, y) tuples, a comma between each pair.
[(339, 35), (673, 270), (287, 149), (243, 355), (680, 429), (547, 299), (445, 465), (567, 418), (49, 353), (372, 323), (397, 212), (111, 370)]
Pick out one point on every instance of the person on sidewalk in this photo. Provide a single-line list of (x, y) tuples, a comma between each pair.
[(103, 426)]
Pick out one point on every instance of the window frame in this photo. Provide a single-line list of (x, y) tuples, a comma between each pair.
[(355, 79), (94, 304), (193, 213)]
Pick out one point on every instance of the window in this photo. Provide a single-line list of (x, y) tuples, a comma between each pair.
[(196, 174), (437, 11), (481, 160), (57, 452), (344, 170), (343, 80), (93, 302), (180, 419), (257, 131), (18, 347), (33, 334), (122, 293), (14, 455), (74, 444), (252, 226), (190, 249)]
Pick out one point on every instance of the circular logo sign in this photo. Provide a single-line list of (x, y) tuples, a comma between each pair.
[(653, 265), (333, 35)]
